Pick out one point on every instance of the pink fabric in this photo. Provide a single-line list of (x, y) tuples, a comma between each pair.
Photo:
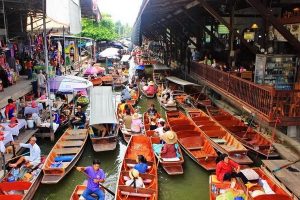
[(33, 104), (136, 125), (151, 89)]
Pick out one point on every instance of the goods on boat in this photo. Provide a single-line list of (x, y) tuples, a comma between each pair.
[(127, 133), (21, 183), (83, 100), (138, 145), (103, 122), (252, 139), (64, 155), (146, 120), (173, 166), (265, 188), (149, 96), (96, 81), (219, 137), (168, 106), (134, 99), (107, 80), (225, 189), (192, 140)]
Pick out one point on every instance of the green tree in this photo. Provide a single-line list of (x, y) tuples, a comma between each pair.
[(103, 30)]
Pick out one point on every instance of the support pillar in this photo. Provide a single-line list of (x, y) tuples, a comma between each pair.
[(293, 131)]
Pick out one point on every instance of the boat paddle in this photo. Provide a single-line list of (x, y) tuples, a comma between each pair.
[(105, 188), (17, 157), (284, 166)]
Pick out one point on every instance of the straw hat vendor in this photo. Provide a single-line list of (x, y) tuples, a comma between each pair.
[(136, 124), (169, 149)]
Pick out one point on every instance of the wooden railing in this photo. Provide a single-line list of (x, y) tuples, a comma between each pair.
[(266, 100)]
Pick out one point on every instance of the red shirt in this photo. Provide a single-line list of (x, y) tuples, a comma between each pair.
[(150, 89), (168, 151), (9, 110), (223, 168)]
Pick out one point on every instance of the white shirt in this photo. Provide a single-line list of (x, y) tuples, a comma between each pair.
[(138, 183), (35, 152), (160, 131)]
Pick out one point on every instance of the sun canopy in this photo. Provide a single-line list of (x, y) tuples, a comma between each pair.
[(109, 52), (125, 58), (180, 81), (102, 106), (68, 84), (160, 67)]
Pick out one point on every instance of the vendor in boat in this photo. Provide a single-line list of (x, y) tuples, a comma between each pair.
[(96, 175), (34, 157), (152, 111), (141, 165), (125, 94), (169, 150), (136, 124), (135, 180), (102, 129), (160, 129), (79, 119), (127, 119), (227, 169), (10, 109), (133, 93), (151, 90)]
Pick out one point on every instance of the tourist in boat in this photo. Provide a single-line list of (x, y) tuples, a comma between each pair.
[(10, 109), (135, 180), (160, 129), (95, 175), (169, 150), (226, 168), (125, 94), (127, 119), (34, 157), (79, 119), (151, 90), (141, 165), (136, 124), (152, 111), (102, 129), (122, 106)]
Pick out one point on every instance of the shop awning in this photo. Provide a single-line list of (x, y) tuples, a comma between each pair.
[(125, 58), (160, 67), (102, 106), (180, 81)]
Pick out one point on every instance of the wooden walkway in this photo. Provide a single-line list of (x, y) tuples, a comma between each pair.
[(290, 179)]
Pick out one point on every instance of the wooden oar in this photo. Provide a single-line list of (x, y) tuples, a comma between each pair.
[(108, 190), (284, 166)]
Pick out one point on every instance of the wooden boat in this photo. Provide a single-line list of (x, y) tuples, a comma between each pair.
[(69, 146), (215, 186), (107, 80), (276, 193), (192, 140), (172, 167), (125, 132), (146, 120), (134, 99), (78, 191), (102, 99), (251, 139), (220, 138), (138, 145), (195, 101), (167, 107), (97, 81), (21, 189)]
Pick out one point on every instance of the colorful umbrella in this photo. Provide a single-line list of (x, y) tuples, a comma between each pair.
[(68, 84), (94, 70)]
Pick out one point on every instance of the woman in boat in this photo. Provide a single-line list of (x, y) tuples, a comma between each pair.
[(227, 169), (160, 129), (135, 180), (152, 111), (141, 165), (151, 90), (127, 119), (169, 149), (136, 124)]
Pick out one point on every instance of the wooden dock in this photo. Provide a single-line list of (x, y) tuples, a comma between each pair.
[(290, 179)]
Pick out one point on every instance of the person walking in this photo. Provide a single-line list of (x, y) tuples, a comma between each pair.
[(95, 175), (41, 79)]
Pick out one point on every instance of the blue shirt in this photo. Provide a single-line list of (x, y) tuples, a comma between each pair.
[(99, 174), (141, 167)]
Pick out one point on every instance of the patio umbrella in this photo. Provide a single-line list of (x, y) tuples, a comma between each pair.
[(68, 84), (94, 70), (109, 52)]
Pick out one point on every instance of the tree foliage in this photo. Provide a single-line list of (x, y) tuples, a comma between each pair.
[(103, 30)]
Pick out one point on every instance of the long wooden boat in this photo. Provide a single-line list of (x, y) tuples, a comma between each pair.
[(252, 139), (220, 138), (172, 167), (138, 145), (216, 186), (78, 191), (196, 101), (64, 155), (23, 189), (274, 191), (146, 120), (125, 132), (106, 143), (192, 140)]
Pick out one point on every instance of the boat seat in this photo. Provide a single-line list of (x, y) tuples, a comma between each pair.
[(136, 192), (77, 143), (75, 137), (191, 143), (63, 151), (219, 140), (147, 178), (77, 131)]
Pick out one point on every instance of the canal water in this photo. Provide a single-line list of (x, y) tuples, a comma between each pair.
[(193, 184)]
